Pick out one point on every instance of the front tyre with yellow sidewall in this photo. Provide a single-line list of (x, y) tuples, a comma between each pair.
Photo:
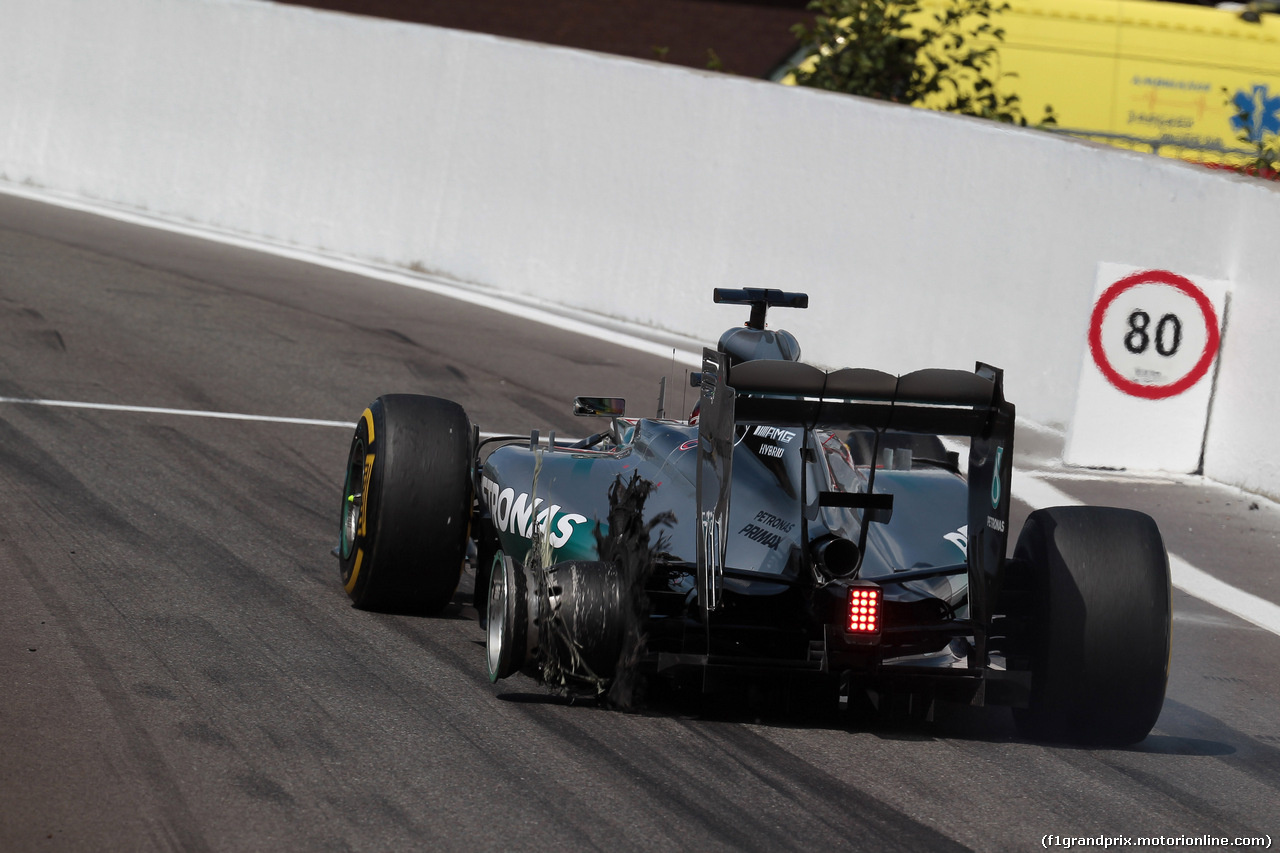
[(406, 504)]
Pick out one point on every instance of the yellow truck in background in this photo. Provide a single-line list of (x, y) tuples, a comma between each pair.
[(1147, 75), (1152, 76)]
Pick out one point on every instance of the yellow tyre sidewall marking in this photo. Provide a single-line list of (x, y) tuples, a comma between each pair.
[(364, 502), (355, 570), (364, 493)]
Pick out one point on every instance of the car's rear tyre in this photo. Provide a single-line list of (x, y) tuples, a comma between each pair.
[(406, 504), (1100, 626)]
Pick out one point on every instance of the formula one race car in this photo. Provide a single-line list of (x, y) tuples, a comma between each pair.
[(805, 525)]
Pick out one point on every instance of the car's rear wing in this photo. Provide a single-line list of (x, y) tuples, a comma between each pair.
[(789, 393)]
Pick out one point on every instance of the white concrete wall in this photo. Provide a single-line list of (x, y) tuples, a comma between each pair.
[(631, 188)]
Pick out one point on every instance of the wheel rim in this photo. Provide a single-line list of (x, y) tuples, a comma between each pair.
[(352, 499), (498, 630)]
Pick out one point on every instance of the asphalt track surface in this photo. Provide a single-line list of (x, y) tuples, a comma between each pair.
[(181, 670)]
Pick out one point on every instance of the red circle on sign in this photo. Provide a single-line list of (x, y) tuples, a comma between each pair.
[(1128, 386)]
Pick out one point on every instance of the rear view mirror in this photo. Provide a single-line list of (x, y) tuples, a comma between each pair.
[(599, 407)]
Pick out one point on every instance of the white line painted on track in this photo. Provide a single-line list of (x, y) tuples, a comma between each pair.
[(526, 308), (156, 410), (199, 413), (1186, 577)]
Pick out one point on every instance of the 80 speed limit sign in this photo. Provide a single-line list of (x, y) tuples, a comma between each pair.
[(1148, 370), (1153, 334)]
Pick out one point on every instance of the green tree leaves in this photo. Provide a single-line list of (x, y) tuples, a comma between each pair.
[(899, 51)]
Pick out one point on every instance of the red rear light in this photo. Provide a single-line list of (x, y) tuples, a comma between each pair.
[(864, 610)]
